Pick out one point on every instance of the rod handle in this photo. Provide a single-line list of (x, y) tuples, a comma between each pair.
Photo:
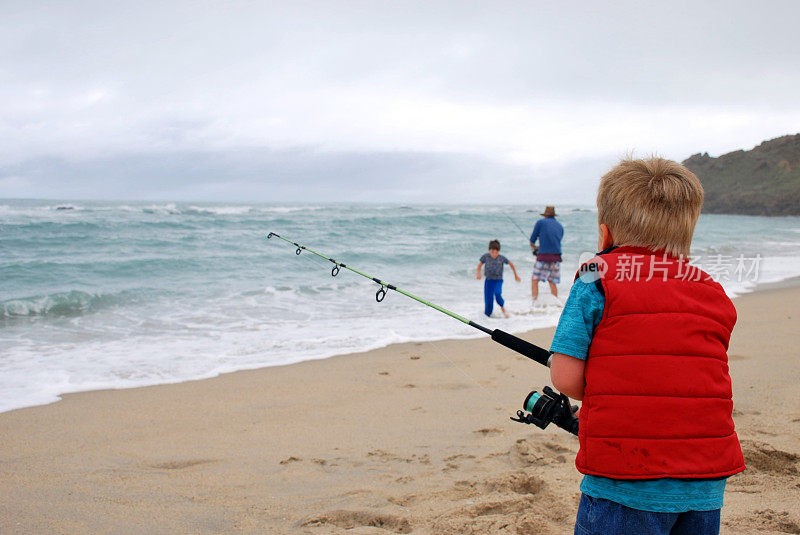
[(533, 352)]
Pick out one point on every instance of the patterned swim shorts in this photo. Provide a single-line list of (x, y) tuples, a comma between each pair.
[(547, 271)]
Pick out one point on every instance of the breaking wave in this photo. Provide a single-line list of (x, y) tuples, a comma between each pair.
[(60, 304)]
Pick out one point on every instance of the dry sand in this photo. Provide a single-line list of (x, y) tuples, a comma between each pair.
[(412, 438)]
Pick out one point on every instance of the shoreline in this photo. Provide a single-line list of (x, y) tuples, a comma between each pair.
[(789, 282), (408, 438)]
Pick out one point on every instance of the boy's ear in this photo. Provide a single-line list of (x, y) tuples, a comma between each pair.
[(606, 240)]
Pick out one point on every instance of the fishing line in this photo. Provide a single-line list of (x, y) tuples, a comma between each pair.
[(515, 224), (523, 347), (535, 249)]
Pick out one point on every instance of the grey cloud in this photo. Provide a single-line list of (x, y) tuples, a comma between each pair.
[(302, 174), (108, 92), (631, 51)]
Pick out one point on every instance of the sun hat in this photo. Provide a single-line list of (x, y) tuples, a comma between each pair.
[(549, 211)]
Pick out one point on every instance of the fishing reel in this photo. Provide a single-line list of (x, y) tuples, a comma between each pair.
[(546, 408)]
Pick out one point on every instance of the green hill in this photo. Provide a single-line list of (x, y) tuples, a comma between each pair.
[(761, 181)]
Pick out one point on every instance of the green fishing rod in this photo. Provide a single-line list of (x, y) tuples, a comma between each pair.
[(533, 352)]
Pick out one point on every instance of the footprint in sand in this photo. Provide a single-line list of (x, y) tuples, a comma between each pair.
[(179, 465), (458, 456), (489, 431), (384, 456), (458, 523), (767, 520), (516, 515), (742, 412), (762, 457), (455, 386), (510, 486), (355, 519), (404, 501), (539, 453), (516, 482), (510, 503), (500, 507), (556, 448)]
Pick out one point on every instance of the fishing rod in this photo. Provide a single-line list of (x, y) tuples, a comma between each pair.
[(533, 352), (535, 249)]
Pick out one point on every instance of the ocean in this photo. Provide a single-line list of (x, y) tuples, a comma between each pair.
[(97, 295)]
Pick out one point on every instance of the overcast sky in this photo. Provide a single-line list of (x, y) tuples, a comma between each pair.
[(407, 101)]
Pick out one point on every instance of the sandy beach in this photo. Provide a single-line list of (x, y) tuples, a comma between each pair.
[(411, 438)]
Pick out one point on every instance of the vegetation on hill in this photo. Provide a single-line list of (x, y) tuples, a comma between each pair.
[(761, 181)]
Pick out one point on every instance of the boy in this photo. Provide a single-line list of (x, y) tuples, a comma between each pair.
[(642, 341), (493, 286)]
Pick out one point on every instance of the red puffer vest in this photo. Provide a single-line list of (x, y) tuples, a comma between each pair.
[(657, 401)]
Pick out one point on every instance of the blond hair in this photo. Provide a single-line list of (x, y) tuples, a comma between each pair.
[(651, 203)]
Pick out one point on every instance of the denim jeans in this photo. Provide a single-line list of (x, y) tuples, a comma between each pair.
[(597, 516)]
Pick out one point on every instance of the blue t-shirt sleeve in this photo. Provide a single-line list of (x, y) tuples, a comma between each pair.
[(483, 258), (582, 313), (505, 260), (536, 229)]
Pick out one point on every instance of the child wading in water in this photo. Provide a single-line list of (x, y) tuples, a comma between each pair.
[(493, 287), (643, 341)]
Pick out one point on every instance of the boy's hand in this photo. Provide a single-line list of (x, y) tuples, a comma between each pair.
[(478, 277), (516, 277)]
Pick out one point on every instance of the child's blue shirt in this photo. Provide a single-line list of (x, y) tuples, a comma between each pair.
[(582, 313)]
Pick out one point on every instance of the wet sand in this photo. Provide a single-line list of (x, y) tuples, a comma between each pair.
[(411, 438)]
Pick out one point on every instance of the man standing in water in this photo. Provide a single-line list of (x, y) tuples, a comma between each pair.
[(548, 260)]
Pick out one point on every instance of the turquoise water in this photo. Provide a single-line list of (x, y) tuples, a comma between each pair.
[(104, 295)]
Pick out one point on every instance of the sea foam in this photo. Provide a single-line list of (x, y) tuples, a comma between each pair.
[(116, 295)]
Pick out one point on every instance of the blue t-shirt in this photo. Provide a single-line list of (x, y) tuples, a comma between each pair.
[(581, 315), (494, 266), (549, 231)]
